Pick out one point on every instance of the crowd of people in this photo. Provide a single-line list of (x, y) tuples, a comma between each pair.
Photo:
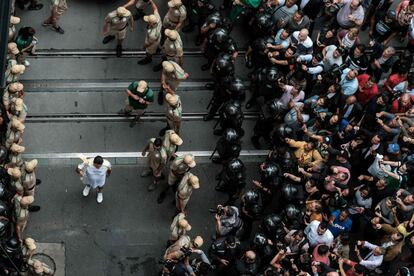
[(334, 195)]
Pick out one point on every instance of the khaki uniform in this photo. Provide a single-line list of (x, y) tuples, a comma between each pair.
[(9, 76), (174, 115), (21, 214), (176, 230), (118, 26), (183, 241), (173, 17), (174, 78), (156, 159), (57, 8), (173, 50), (13, 136), (153, 36), (8, 97), (16, 160), (17, 186), (12, 33), (170, 148), (178, 168), (184, 191), (28, 182)]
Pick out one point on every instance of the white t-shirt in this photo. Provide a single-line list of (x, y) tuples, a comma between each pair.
[(93, 176)]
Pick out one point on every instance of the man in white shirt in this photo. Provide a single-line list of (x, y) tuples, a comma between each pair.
[(317, 233), (290, 93), (93, 173), (332, 55), (374, 258)]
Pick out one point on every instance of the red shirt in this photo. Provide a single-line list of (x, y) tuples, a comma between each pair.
[(394, 79), (364, 94)]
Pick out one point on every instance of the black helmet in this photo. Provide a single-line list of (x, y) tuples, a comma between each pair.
[(251, 196), (224, 64), (3, 192), (232, 108), (270, 170), (4, 209), (271, 223), (214, 18), (12, 245), (275, 107), (283, 131), (231, 135), (264, 22), (289, 191), (237, 89), (291, 212), (259, 240), (235, 165), (221, 35), (272, 74), (3, 154), (287, 163), (4, 227)]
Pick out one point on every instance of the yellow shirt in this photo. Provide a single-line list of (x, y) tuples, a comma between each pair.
[(305, 157)]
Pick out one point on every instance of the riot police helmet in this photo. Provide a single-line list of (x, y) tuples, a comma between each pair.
[(291, 212), (251, 196), (12, 244), (221, 35), (289, 191), (4, 225), (3, 154), (231, 135), (4, 209), (259, 240), (283, 131), (270, 170), (272, 74), (235, 165)]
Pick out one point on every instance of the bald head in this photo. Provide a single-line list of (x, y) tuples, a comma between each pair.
[(303, 34)]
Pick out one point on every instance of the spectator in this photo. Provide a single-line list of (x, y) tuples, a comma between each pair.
[(318, 233)]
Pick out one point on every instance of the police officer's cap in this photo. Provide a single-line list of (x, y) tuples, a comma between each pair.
[(174, 3), (152, 19), (168, 67), (171, 99), (123, 12), (14, 20), (171, 34)]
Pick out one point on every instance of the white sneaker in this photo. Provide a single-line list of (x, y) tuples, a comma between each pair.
[(26, 63), (86, 190), (99, 198)]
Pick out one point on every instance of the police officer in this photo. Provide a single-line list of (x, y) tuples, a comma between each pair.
[(185, 188), (270, 175), (228, 88), (218, 41), (232, 179), (256, 54), (224, 252), (18, 110), (15, 156), (222, 71), (172, 75), (265, 123), (228, 146), (116, 24), (264, 83), (57, 8), (173, 114), (153, 34), (16, 185), (156, 161), (262, 246), (13, 90), (262, 24), (172, 49), (139, 96), (179, 227), (231, 116), (170, 142), (176, 15), (272, 227), (251, 210), (14, 20), (21, 213), (178, 168), (13, 72), (198, 11), (29, 181), (14, 134)]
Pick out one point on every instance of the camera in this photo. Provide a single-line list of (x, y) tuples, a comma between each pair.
[(219, 210), (186, 251)]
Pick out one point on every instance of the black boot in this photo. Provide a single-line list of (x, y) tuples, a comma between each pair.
[(255, 141), (160, 97), (161, 197), (145, 60), (35, 7), (119, 50), (157, 68), (108, 39), (216, 160), (34, 208), (208, 117)]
